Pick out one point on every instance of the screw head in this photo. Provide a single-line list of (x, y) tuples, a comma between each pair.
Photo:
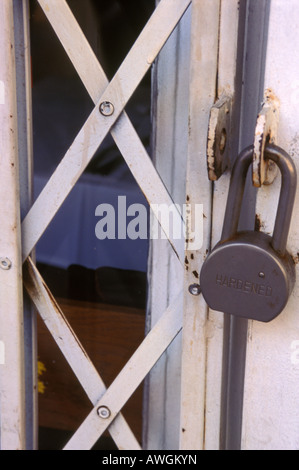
[(106, 108), (104, 412), (5, 264), (195, 289), (262, 275)]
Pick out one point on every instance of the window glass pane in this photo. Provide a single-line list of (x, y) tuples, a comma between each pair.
[(93, 255)]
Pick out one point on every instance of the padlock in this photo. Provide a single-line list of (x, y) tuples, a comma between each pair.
[(250, 274)]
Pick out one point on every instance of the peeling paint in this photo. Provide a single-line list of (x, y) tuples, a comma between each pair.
[(264, 172), (296, 258), (218, 134)]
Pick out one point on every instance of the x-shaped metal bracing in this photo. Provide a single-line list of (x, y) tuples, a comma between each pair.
[(118, 92)]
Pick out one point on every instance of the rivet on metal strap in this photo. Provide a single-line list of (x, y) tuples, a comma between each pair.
[(106, 108), (5, 264)]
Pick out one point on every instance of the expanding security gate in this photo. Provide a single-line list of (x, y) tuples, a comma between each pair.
[(209, 390)]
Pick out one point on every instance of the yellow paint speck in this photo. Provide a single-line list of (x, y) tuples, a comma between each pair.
[(41, 368)]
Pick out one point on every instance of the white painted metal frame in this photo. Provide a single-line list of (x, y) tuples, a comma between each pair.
[(271, 348), (271, 399), (12, 383), (118, 92), (204, 65), (170, 75), (194, 364), (213, 67), (25, 157), (226, 86)]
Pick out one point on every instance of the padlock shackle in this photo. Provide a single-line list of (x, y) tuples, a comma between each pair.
[(236, 192), (286, 198)]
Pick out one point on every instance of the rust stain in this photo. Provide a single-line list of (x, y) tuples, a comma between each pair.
[(258, 223), (296, 258), (270, 95)]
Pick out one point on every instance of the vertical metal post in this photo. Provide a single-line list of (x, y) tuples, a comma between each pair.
[(253, 31), (271, 399), (195, 355), (169, 148), (12, 388), (25, 146)]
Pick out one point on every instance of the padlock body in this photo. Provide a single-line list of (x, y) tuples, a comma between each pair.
[(245, 277)]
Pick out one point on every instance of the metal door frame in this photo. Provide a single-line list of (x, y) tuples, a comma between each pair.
[(107, 403), (207, 411)]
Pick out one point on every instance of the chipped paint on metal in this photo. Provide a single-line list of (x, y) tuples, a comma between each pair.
[(218, 137), (265, 132)]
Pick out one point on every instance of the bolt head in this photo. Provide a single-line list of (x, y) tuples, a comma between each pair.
[(195, 289), (104, 412), (106, 108), (5, 264)]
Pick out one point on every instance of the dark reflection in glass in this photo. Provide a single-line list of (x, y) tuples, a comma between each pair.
[(99, 284)]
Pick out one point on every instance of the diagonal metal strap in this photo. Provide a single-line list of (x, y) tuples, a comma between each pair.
[(73, 351), (142, 361), (131, 376), (118, 92), (97, 126)]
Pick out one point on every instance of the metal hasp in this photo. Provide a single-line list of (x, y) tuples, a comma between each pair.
[(265, 171), (218, 137), (250, 274)]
